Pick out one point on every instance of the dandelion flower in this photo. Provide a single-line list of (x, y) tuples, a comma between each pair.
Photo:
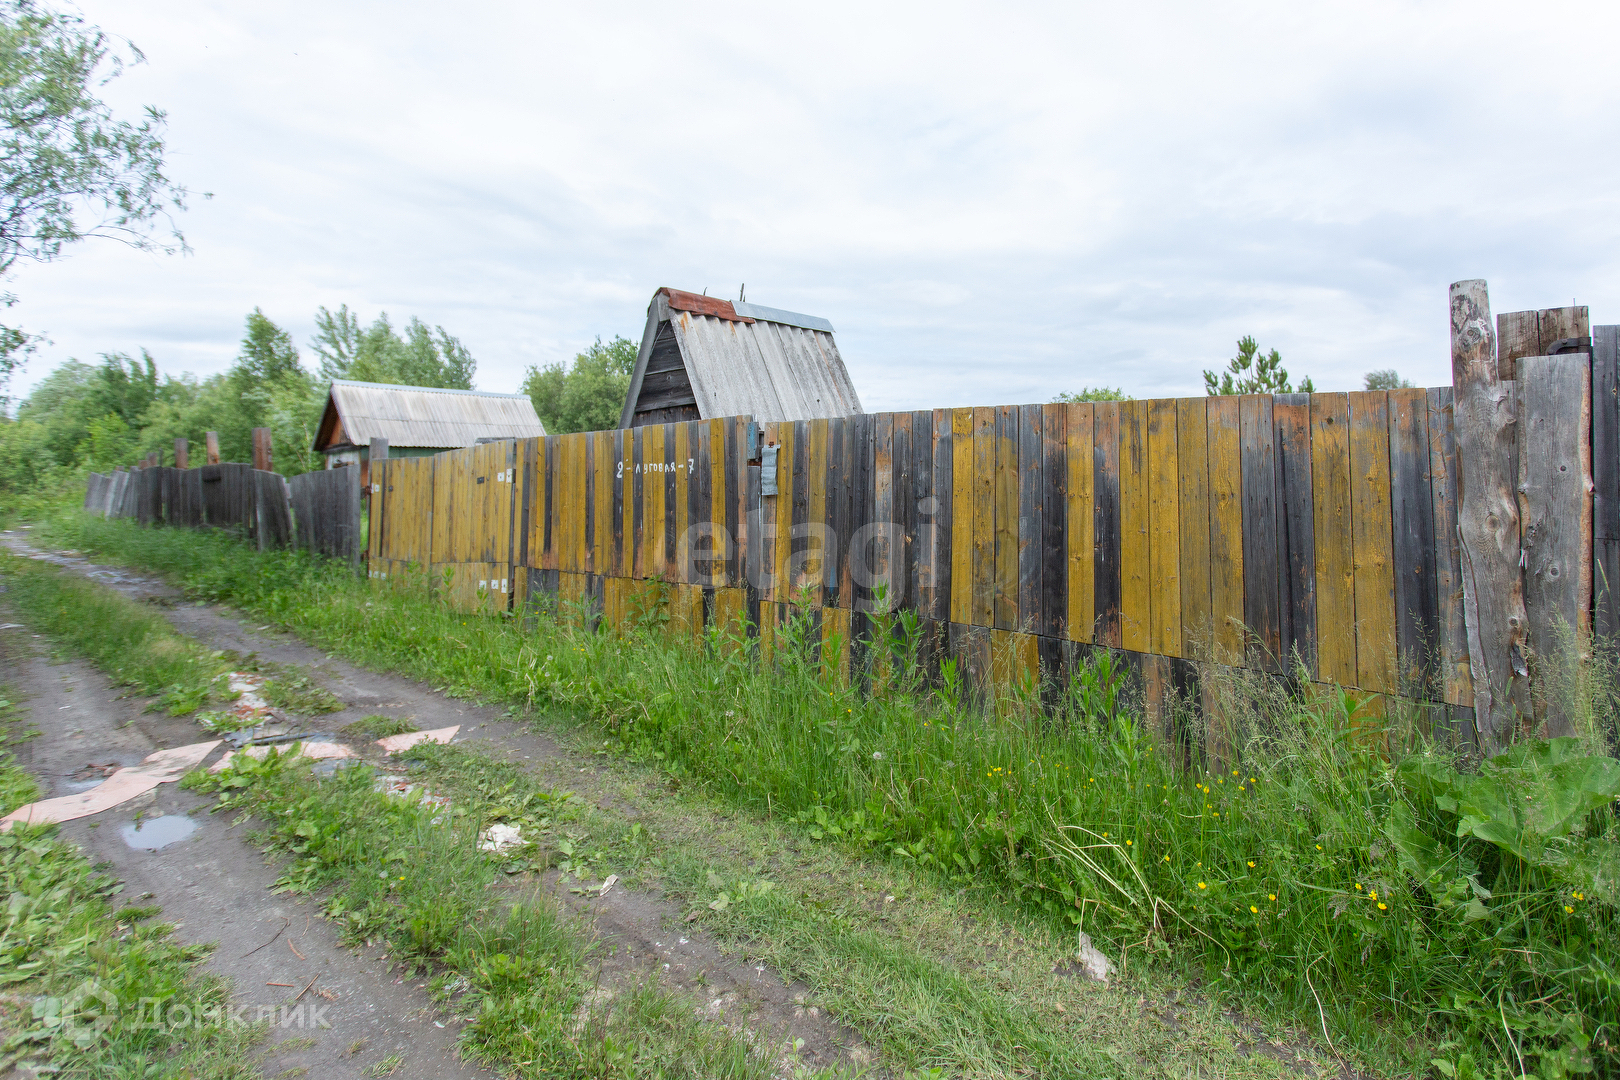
[(1254, 909), (1234, 772)]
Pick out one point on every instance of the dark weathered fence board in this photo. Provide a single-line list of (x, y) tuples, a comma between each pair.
[(1262, 557), (1296, 530), (1606, 482), (1417, 597), (1554, 510)]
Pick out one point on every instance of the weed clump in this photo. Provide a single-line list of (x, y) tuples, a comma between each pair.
[(376, 727)]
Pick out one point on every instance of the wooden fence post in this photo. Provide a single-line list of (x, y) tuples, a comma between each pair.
[(1488, 517), (180, 453), (212, 443), (261, 450)]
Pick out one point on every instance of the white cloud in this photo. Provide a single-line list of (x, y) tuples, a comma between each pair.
[(989, 204)]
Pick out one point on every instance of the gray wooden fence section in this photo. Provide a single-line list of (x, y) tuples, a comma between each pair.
[(326, 510), (318, 511)]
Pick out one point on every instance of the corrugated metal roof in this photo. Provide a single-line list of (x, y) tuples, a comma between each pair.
[(422, 416), (747, 359)]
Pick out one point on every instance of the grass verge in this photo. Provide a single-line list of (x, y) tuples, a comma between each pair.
[(520, 971), (93, 989), (1414, 907)]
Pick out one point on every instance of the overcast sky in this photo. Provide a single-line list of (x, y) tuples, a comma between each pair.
[(991, 203)]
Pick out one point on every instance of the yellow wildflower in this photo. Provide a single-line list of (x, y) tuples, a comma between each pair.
[(1201, 885), (1569, 909), (1382, 906), (1254, 909), (1251, 864), (1272, 897)]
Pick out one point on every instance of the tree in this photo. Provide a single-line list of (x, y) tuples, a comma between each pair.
[(422, 357), (1092, 393), (1386, 379), (1250, 373), (68, 168), (586, 395)]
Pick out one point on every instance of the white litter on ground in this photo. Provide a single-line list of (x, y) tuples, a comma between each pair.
[(501, 838)]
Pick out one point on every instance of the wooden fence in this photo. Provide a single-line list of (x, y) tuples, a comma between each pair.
[(1316, 530), (319, 511)]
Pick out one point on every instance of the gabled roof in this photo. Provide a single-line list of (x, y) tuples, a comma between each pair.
[(738, 359), (357, 412)]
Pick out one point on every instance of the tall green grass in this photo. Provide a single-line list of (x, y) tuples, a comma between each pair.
[(1340, 865)]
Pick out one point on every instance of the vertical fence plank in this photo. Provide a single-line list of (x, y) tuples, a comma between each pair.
[(885, 555), (1164, 528), (1262, 608), (1456, 683), (1417, 596), (1226, 548), (1555, 513), (1606, 484), (1028, 470), (1054, 521), (840, 506), (1192, 483), (1006, 516), (1082, 522), (1335, 553), (1371, 541), (964, 498), (732, 431), (983, 611), (1136, 551), (1296, 530), (672, 501), (817, 567), (930, 499), (1106, 558)]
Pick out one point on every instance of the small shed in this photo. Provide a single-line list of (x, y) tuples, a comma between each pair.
[(703, 357), (417, 421)]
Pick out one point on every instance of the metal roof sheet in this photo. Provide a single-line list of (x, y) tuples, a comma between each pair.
[(422, 416), (748, 359)]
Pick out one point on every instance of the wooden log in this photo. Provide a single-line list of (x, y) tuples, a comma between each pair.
[(1555, 512), (1488, 517), (262, 456), (211, 448), (181, 454)]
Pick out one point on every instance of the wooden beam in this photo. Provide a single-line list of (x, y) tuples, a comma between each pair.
[(1488, 516)]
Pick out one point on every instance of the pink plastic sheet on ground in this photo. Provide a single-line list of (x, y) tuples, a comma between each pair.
[(312, 750), (395, 743), (163, 767)]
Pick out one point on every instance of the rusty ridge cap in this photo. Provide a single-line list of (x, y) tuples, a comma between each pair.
[(680, 300)]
